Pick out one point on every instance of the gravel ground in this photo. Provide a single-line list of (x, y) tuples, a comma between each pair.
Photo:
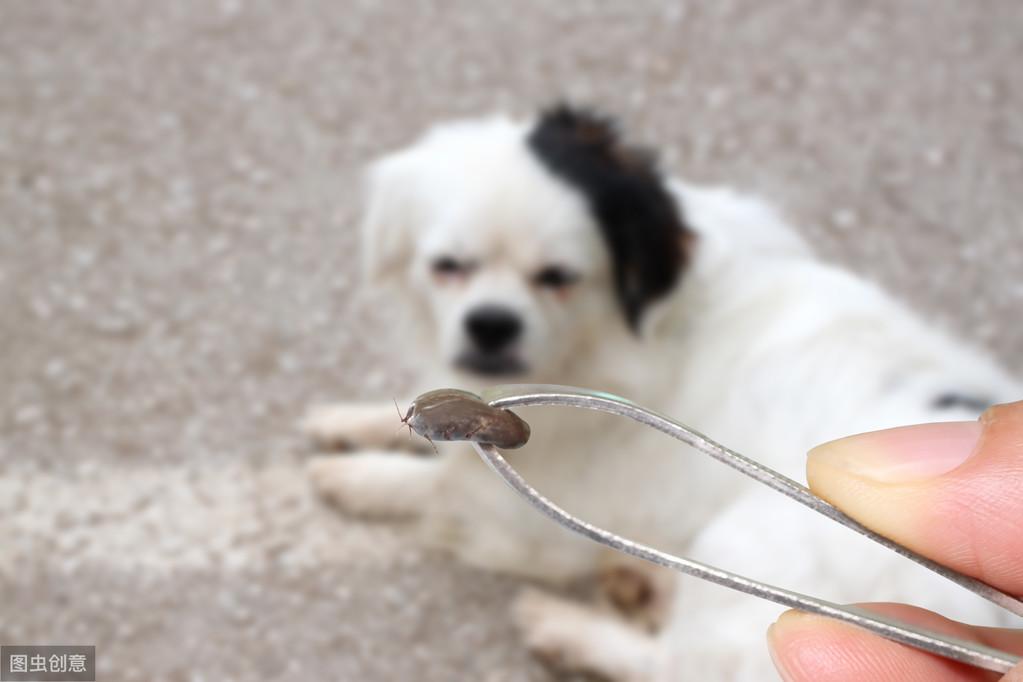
[(178, 189)]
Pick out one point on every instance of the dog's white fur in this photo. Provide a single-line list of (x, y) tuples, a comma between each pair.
[(760, 345)]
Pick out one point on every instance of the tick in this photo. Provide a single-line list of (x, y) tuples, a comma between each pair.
[(451, 414)]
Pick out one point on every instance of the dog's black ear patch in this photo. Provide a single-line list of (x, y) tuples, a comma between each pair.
[(640, 220)]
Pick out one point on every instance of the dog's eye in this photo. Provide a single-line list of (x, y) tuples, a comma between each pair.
[(446, 265), (555, 277)]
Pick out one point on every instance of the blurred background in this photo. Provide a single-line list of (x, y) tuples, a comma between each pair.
[(179, 189)]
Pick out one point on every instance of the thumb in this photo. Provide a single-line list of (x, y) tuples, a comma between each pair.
[(950, 491)]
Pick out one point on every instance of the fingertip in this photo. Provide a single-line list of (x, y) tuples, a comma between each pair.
[(950, 491), (1003, 412), (900, 512), (777, 645), (806, 647)]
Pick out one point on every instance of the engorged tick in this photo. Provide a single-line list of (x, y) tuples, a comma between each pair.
[(451, 414)]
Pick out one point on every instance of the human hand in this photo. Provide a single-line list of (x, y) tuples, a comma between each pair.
[(952, 492)]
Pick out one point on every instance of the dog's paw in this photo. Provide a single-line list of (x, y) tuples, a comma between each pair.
[(350, 426), (550, 628), (342, 482), (640, 592), (572, 637), (330, 482), (629, 590), (380, 485)]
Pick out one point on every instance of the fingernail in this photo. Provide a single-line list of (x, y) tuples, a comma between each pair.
[(904, 454)]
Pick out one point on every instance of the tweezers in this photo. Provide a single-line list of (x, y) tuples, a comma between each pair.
[(522, 395)]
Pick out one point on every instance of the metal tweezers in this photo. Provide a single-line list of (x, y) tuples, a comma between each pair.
[(957, 649)]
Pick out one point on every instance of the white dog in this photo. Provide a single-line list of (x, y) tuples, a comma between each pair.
[(548, 251)]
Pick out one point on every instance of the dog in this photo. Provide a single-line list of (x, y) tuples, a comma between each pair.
[(550, 250)]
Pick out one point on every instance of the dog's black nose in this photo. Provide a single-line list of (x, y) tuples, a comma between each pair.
[(492, 327)]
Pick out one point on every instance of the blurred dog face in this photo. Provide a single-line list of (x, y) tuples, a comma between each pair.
[(522, 245), (514, 275)]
